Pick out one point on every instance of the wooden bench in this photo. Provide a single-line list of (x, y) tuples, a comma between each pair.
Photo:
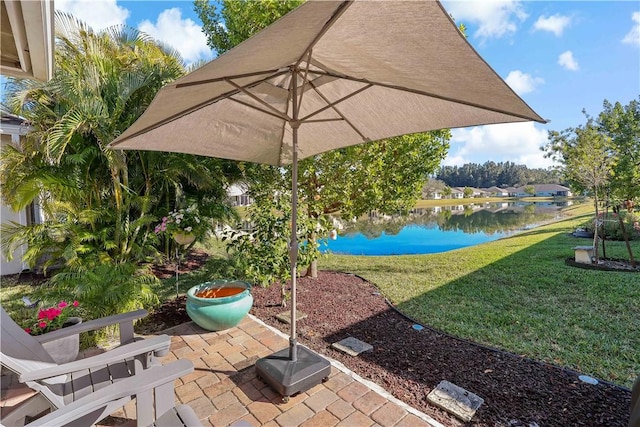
[(584, 254)]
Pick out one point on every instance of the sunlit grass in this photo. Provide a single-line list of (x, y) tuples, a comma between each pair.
[(517, 294)]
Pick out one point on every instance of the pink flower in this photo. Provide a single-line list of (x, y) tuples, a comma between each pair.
[(76, 303), (27, 330), (42, 314), (42, 324), (62, 304)]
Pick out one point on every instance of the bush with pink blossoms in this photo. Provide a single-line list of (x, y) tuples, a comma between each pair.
[(52, 318)]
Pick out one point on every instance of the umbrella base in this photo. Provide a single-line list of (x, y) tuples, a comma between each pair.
[(289, 377)]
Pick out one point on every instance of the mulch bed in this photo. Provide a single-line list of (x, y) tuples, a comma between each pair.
[(409, 363), (606, 264)]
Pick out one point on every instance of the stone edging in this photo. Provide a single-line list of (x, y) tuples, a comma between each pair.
[(370, 384)]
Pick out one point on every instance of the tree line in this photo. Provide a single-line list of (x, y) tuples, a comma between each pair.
[(489, 174)]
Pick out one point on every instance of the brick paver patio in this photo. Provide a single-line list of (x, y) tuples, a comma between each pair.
[(224, 391)]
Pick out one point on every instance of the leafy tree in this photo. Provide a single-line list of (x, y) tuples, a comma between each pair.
[(585, 155), (238, 20), (100, 205), (622, 125), (530, 190), (489, 174), (446, 192), (467, 192), (385, 175)]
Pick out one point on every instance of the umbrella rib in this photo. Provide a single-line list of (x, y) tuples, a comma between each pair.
[(336, 14), (228, 94), (305, 77), (272, 73), (255, 107), (332, 105), (429, 94), (242, 89)]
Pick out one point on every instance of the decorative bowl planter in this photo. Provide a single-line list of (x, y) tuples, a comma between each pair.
[(183, 238), (65, 349), (220, 304)]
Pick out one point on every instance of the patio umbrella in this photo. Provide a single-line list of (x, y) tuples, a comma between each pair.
[(329, 74)]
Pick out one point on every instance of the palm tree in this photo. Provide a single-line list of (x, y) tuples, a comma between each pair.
[(99, 204)]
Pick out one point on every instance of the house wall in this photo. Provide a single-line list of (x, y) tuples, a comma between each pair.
[(10, 134)]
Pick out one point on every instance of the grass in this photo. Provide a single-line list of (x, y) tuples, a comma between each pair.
[(517, 294)]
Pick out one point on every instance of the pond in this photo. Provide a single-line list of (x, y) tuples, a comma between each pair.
[(438, 229)]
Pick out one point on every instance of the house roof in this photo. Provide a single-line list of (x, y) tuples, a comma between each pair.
[(13, 125), (27, 41), (495, 189), (544, 187)]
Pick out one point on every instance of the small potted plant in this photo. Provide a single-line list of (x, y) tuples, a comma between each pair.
[(51, 319), (184, 225)]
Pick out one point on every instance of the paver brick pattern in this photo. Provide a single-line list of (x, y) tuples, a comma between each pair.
[(224, 390)]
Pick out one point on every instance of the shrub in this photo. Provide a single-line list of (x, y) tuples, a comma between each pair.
[(611, 225)]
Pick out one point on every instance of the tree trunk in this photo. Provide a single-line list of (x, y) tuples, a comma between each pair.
[(596, 230), (626, 241), (604, 233), (283, 295), (312, 271)]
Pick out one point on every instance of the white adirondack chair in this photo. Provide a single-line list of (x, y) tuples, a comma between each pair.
[(154, 394), (61, 384)]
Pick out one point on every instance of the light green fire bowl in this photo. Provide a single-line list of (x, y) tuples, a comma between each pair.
[(217, 314)]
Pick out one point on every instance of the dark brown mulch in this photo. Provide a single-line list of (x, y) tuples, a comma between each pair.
[(606, 264), (410, 363)]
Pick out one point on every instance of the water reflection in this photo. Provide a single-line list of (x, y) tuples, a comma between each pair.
[(438, 229)]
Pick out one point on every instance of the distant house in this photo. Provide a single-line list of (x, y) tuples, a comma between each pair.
[(477, 192), (238, 195), (497, 192), (457, 193), (543, 190)]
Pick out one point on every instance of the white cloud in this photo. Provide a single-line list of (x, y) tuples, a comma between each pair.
[(97, 14), (566, 60), (494, 18), (523, 83), (184, 35), (633, 36), (514, 142), (554, 24)]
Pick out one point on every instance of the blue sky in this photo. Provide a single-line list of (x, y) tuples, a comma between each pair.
[(561, 57)]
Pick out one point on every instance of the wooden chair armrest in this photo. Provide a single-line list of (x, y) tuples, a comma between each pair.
[(103, 402), (128, 351), (124, 320)]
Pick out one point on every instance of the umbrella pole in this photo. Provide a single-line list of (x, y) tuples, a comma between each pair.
[(293, 249), (296, 369)]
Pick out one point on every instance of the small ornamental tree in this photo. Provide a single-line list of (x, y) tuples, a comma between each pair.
[(385, 175), (586, 157)]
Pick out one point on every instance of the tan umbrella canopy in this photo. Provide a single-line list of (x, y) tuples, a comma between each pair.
[(329, 74), (366, 71)]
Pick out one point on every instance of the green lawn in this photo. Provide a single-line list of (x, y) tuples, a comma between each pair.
[(517, 294)]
